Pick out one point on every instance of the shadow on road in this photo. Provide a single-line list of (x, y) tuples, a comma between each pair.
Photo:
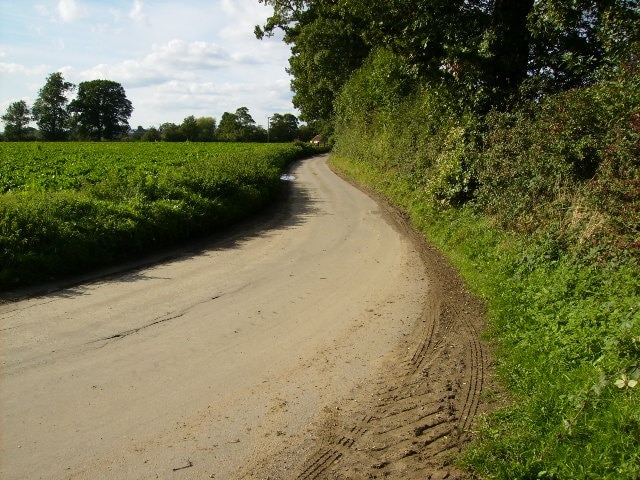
[(292, 209)]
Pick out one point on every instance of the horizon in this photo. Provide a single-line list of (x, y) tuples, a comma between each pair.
[(173, 59)]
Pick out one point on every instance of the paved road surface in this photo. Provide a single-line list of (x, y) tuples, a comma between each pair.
[(193, 367)]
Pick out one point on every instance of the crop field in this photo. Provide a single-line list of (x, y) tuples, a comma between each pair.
[(68, 207)]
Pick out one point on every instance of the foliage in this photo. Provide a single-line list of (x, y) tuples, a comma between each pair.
[(567, 332), (170, 132), (16, 119), (539, 208), (572, 161), (101, 110), (496, 52), (326, 46), (205, 129), (50, 108), (378, 86), (510, 131), (189, 128), (151, 135), (325, 53), (283, 128), (239, 127), (574, 43), (423, 132), (67, 207)]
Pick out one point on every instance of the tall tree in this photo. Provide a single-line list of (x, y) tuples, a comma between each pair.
[(574, 42), (206, 129), (189, 128), (327, 46), (508, 44), (245, 120), (49, 110), (16, 120), (239, 127), (101, 110), (170, 132), (487, 50), (229, 129), (283, 128), (152, 135)]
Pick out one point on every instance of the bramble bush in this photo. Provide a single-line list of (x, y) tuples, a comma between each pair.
[(571, 162)]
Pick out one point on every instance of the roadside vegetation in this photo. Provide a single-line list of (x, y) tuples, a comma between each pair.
[(554, 254), (69, 207), (540, 209), (511, 135)]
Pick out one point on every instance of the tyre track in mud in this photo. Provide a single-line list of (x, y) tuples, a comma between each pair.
[(417, 427), (418, 413)]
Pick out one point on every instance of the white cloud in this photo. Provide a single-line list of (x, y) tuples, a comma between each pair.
[(196, 55), (100, 28), (70, 11), (16, 68), (176, 99), (115, 14), (191, 58), (43, 11), (176, 59), (137, 14)]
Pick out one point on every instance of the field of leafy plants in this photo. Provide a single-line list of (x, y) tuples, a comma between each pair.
[(68, 207)]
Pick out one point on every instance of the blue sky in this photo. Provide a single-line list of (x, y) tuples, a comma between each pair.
[(173, 58)]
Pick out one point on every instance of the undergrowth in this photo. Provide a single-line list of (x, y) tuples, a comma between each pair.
[(539, 208), (568, 338)]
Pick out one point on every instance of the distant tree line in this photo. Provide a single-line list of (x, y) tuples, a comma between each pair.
[(233, 127), (101, 111)]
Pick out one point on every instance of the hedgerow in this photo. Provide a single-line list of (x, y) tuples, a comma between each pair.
[(539, 207), (69, 207)]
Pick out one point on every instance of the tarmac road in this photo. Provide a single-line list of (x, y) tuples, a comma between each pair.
[(196, 366)]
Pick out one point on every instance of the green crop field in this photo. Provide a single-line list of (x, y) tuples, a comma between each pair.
[(68, 207)]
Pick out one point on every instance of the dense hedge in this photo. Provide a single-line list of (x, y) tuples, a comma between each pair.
[(540, 208)]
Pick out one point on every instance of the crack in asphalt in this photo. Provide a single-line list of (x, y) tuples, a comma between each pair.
[(165, 318)]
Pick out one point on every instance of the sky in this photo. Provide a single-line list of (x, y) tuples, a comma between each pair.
[(174, 58)]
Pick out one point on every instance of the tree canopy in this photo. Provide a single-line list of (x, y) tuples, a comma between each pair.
[(101, 110), (283, 128), (493, 50), (239, 127), (50, 108), (16, 119)]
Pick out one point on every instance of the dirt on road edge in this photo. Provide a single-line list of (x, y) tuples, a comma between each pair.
[(419, 411)]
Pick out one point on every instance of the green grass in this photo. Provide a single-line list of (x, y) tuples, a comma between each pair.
[(69, 207), (539, 208), (566, 327)]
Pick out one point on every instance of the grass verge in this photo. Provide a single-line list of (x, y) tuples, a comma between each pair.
[(566, 327)]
